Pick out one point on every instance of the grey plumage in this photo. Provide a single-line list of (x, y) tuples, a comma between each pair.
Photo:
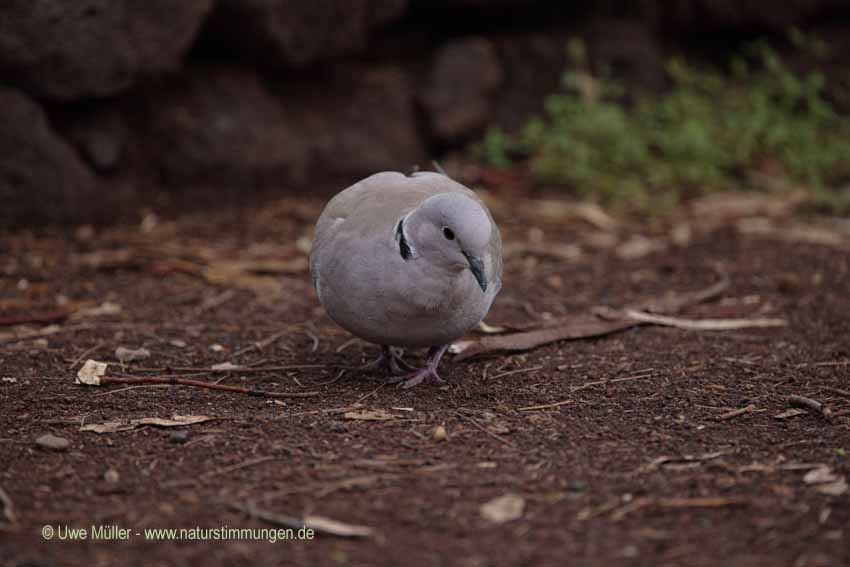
[(409, 261)]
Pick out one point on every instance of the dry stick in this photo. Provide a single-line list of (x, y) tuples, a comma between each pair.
[(221, 471), (545, 406), (838, 391), (804, 402), (736, 412), (86, 353), (318, 525), (260, 345), (8, 507), (515, 372), (240, 369), (43, 317), (703, 324), (485, 430), (614, 381), (198, 384)]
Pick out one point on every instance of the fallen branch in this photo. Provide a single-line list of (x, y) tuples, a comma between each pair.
[(703, 324), (584, 326), (736, 412), (545, 406), (485, 430), (316, 523), (808, 403), (36, 317), (104, 380)]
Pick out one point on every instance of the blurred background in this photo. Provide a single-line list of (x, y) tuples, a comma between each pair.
[(111, 108)]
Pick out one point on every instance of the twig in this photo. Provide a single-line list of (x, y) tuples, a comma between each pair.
[(35, 317), (545, 406), (838, 391), (485, 430), (239, 369), (736, 412), (613, 381), (814, 405), (86, 353), (315, 523), (273, 519), (703, 324), (8, 507), (260, 345), (219, 472), (110, 392), (515, 372), (198, 384)]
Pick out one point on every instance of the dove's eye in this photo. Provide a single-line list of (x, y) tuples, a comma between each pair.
[(448, 233)]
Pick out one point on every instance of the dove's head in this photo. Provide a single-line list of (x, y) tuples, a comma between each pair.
[(453, 231)]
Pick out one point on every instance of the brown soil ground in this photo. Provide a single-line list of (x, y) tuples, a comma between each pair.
[(639, 471)]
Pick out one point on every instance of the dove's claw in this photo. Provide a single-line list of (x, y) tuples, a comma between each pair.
[(390, 361), (429, 373)]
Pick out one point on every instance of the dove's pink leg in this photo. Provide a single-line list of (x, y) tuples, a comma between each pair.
[(429, 373), (389, 360)]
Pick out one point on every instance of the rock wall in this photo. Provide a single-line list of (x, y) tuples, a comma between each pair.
[(107, 104)]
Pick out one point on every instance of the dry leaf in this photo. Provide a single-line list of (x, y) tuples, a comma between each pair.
[(335, 527), (639, 246), (130, 355), (105, 308), (820, 475), (232, 274), (369, 415), (91, 372), (503, 509), (115, 426), (837, 488), (295, 265), (793, 412)]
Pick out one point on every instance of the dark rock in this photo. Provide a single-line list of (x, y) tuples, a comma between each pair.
[(41, 177), (533, 64), (627, 51), (67, 50), (100, 135), (180, 436), (355, 121), (707, 15), (459, 97), (294, 34), (218, 125)]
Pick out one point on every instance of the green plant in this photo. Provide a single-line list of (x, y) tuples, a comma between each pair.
[(712, 130)]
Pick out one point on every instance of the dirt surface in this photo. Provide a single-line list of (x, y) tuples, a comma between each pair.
[(642, 464)]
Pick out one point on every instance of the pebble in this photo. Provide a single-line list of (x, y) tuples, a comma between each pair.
[(440, 433), (111, 476), (180, 436), (52, 442)]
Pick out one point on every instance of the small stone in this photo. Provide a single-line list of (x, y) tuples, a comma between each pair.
[(440, 433), (180, 436), (52, 442), (111, 476)]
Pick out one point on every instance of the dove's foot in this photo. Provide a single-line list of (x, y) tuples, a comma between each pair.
[(427, 374), (390, 361)]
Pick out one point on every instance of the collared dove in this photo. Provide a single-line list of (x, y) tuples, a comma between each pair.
[(407, 261)]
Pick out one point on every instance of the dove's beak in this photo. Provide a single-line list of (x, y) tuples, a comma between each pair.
[(476, 266)]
